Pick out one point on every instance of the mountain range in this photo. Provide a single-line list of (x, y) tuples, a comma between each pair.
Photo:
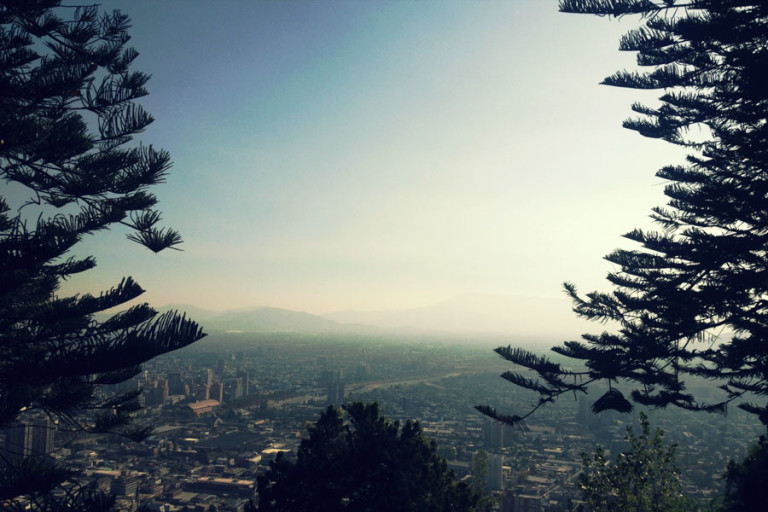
[(466, 314)]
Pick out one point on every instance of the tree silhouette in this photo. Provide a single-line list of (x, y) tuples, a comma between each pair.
[(745, 481), (67, 116), (692, 300), (356, 460)]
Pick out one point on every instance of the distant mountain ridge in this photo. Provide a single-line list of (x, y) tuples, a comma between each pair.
[(483, 314), (260, 319), (515, 315)]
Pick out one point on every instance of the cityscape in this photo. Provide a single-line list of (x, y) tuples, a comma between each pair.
[(223, 408), (381, 215)]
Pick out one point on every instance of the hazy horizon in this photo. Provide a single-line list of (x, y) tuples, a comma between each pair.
[(481, 316), (335, 156)]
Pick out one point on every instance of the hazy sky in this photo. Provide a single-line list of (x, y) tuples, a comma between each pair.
[(338, 155)]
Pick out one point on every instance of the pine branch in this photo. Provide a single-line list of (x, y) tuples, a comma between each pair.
[(512, 421), (614, 400), (528, 359), (523, 382)]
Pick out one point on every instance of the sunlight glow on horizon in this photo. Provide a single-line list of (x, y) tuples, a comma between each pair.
[(346, 155)]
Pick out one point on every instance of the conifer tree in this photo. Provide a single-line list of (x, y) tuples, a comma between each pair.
[(691, 300), (67, 117), (355, 459)]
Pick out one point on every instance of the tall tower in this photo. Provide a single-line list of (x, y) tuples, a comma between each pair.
[(175, 383), (246, 382), (42, 436), (335, 391), (28, 438), (493, 435), (18, 440), (583, 415), (495, 480), (217, 391)]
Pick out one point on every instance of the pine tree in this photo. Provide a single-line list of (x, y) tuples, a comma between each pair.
[(692, 299), (355, 459), (67, 116)]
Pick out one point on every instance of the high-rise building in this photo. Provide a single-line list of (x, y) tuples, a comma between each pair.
[(18, 440), (362, 371), (216, 391), (233, 389), (175, 383), (335, 392), (125, 485), (493, 435), (43, 431), (202, 392), (495, 480), (28, 438), (246, 382), (584, 415), (515, 501), (157, 393)]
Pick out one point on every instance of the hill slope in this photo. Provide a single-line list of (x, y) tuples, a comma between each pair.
[(479, 313)]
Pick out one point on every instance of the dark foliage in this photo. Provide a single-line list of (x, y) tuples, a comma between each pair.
[(745, 481), (692, 299), (67, 114), (357, 460)]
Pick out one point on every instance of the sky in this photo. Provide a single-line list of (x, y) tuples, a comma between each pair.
[(333, 155)]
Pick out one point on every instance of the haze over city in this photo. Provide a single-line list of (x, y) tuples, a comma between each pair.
[(340, 155)]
